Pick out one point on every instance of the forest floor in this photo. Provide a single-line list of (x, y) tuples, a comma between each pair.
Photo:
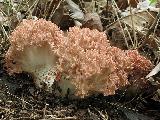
[(21, 100)]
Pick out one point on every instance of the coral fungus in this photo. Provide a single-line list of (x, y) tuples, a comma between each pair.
[(93, 65), (84, 56), (33, 46)]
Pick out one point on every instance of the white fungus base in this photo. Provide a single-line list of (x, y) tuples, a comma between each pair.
[(41, 63)]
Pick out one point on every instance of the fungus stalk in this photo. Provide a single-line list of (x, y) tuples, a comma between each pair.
[(43, 69)]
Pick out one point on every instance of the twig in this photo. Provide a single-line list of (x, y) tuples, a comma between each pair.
[(65, 118), (151, 29), (133, 28), (54, 10), (34, 5), (4, 31), (120, 23), (44, 110)]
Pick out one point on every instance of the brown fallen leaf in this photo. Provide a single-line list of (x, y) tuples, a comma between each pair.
[(92, 21), (123, 4)]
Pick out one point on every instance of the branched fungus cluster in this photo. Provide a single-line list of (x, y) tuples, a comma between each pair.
[(84, 56)]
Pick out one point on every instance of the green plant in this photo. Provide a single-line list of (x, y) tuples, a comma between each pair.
[(152, 1)]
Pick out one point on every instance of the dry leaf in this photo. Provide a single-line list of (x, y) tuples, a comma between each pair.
[(92, 21), (123, 4), (77, 13), (142, 22), (154, 71)]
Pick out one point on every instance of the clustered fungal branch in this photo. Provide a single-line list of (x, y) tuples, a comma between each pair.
[(85, 56)]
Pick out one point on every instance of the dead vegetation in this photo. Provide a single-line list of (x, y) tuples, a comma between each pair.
[(127, 26)]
